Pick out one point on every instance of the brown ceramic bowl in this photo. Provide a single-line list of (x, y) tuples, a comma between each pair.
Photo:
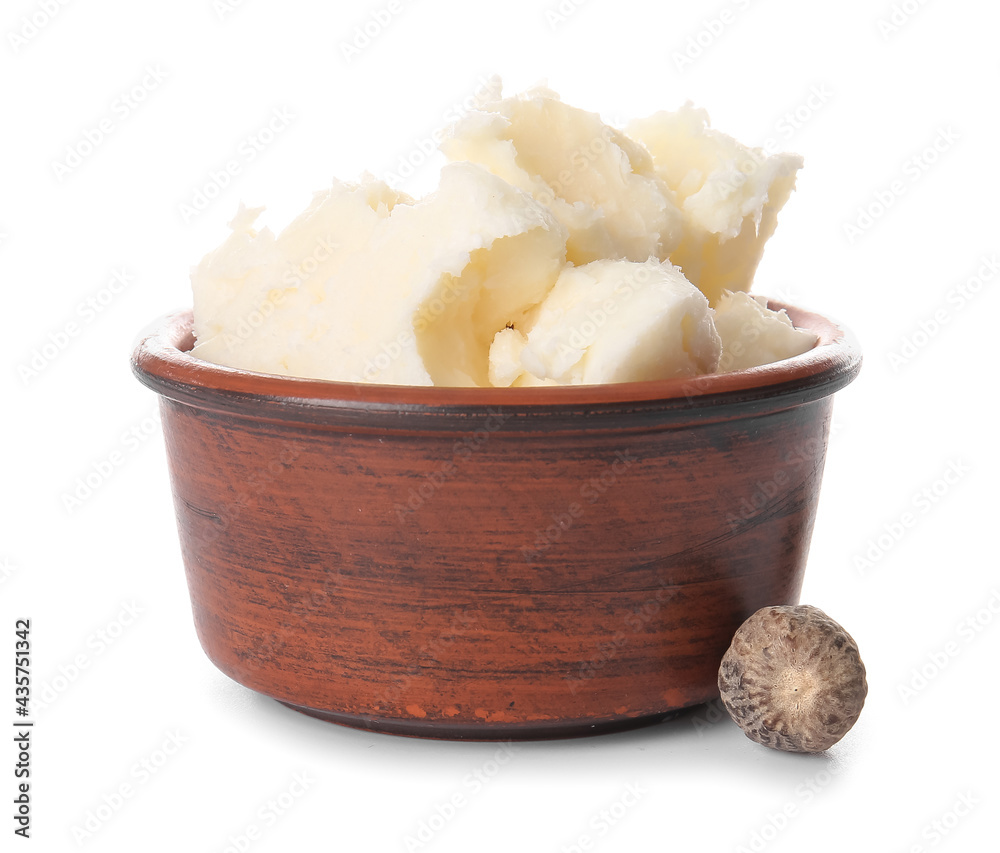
[(489, 563)]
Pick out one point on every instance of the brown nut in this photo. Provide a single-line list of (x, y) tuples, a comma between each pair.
[(793, 679)]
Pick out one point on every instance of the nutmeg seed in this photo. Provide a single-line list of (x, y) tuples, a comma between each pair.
[(793, 679)]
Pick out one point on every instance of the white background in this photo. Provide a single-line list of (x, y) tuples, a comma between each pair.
[(115, 687)]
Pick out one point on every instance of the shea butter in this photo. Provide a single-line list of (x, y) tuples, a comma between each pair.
[(556, 250), (753, 335), (729, 195), (402, 292), (597, 182), (612, 321)]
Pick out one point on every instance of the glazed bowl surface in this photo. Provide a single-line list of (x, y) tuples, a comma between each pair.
[(489, 563)]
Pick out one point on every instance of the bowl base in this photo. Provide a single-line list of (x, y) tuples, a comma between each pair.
[(446, 730)]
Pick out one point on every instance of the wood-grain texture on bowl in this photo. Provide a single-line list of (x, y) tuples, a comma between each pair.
[(489, 563)]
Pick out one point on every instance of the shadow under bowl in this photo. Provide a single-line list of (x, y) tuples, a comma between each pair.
[(490, 563)]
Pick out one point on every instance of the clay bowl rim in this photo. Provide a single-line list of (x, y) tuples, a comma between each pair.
[(161, 360)]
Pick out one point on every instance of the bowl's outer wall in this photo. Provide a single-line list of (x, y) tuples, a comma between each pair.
[(491, 583)]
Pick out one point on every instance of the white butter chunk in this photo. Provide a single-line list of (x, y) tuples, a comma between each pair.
[(505, 357), (258, 298), (612, 321), (597, 182), (752, 334), (379, 288), (729, 195)]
